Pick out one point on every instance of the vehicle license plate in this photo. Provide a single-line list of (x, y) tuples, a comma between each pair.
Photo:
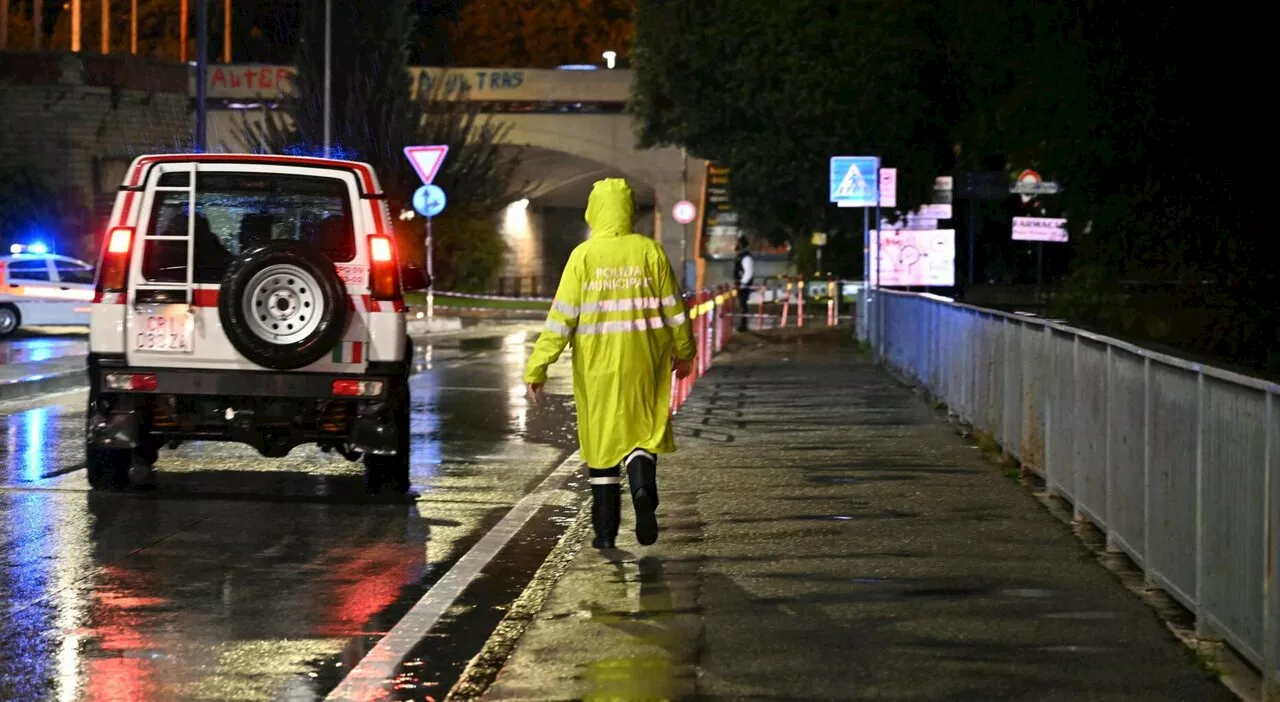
[(171, 333)]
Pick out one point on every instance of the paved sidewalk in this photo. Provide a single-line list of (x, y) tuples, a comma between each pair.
[(827, 536)]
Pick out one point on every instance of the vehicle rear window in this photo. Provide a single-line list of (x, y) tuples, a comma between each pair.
[(74, 273), (35, 270), (236, 212)]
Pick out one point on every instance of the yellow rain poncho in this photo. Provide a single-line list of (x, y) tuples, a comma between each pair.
[(619, 304)]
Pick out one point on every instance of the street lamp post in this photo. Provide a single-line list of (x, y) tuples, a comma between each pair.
[(226, 31), (75, 25), (202, 67), (106, 27), (37, 24), (328, 76)]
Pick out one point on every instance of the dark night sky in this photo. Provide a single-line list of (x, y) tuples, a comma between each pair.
[(277, 20)]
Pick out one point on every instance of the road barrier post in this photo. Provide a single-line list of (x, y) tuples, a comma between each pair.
[(832, 316), (786, 306), (760, 307), (800, 304)]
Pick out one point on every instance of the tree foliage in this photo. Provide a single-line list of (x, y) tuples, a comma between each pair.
[(468, 253), (541, 34), (1107, 101), (772, 91), (374, 116)]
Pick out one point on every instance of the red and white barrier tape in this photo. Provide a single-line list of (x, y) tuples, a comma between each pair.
[(475, 296)]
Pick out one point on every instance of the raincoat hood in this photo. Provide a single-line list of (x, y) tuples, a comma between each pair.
[(610, 208)]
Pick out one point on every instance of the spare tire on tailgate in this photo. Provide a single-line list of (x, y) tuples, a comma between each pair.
[(282, 305)]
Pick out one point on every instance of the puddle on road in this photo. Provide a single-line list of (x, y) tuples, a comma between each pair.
[(884, 514), (632, 678), (1071, 648), (1081, 615), (1028, 592), (488, 343)]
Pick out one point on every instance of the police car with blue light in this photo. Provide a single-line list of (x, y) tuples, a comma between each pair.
[(39, 288)]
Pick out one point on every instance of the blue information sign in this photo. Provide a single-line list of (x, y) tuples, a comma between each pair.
[(855, 181), (428, 200)]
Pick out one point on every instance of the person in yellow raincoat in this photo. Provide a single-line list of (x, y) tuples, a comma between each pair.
[(618, 303)]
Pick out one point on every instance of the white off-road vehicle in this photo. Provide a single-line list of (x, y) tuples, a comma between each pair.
[(255, 299)]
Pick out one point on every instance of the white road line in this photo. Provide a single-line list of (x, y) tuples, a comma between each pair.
[(41, 399), (366, 679)]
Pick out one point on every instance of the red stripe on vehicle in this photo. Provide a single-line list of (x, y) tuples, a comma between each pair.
[(356, 349), (370, 304), (108, 298), (351, 304), (126, 209), (399, 305), (366, 175), (205, 298)]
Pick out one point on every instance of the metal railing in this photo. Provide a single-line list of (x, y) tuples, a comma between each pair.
[(1177, 462)]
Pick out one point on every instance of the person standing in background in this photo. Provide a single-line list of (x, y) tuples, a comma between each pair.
[(744, 269)]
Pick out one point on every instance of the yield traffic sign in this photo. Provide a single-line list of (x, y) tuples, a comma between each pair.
[(426, 160)]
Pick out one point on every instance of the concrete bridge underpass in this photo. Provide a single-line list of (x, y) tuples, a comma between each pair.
[(574, 130)]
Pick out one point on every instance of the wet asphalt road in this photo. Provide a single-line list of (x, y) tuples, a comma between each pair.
[(246, 578), (29, 347)]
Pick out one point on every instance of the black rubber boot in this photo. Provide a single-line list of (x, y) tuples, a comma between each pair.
[(642, 474), (606, 506)]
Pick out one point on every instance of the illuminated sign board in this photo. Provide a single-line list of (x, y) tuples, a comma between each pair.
[(922, 257)]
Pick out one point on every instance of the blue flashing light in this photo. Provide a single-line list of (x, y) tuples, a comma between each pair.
[(577, 67), (335, 152), (38, 248)]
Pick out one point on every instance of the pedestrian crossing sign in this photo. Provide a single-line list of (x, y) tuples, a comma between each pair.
[(855, 181)]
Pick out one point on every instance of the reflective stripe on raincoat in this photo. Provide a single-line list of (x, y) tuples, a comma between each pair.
[(619, 304)]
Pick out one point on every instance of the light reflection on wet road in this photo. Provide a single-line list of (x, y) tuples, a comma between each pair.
[(34, 349), (246, 578)]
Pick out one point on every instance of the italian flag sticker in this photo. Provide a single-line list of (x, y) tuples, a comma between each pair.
[(348, 352)]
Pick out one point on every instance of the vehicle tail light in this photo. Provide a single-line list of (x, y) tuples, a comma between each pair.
[(119, 240), (138, 382), (351, 387), (380, 249), (114, 270), (384, 281)]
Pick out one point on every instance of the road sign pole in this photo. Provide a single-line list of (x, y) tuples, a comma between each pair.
[(1039, 265), (866, 251), (431, 278), (973, 223), (866, 277), (878, 228)]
